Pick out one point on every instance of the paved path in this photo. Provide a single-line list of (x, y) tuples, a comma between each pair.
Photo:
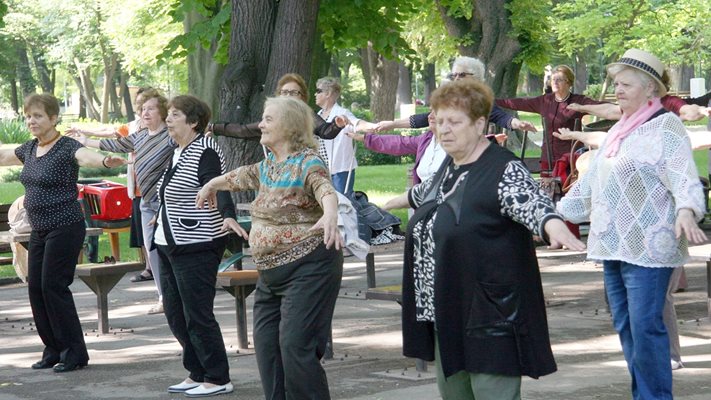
[(140, 358)]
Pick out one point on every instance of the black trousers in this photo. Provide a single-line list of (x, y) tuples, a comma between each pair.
[(52, 260), (188, 284), (293, 310)]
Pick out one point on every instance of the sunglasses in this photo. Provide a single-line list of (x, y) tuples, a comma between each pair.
[(318, 91), (458, 75), (290, 92)]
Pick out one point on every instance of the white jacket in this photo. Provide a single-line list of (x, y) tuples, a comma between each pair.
[(340, 151)]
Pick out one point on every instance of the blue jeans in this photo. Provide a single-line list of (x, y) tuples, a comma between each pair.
[(636, 295), (339, 182)]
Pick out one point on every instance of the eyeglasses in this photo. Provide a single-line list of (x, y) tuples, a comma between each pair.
[(318, 90), (290, 92), (560, 80), (458, 75)]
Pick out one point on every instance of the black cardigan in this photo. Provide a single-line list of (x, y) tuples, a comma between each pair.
[(489, 306)]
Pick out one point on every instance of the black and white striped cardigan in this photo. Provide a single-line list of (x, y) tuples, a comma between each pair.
[(179, 187)]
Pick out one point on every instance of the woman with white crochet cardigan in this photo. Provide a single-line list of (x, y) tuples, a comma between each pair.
[(643, 197)]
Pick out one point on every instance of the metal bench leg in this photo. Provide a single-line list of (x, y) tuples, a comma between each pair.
[(241, 314), (370, 270), (708, 288), (101, 286), (420, 365)]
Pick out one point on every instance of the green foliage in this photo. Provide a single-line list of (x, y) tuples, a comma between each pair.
[(217, 16), (593, 91), (100, 172), (678, 32), (351, 24), (531, 23), (14, 131)]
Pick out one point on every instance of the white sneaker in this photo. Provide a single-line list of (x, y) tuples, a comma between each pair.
[(156, 309), (184, 386), (676, 365), (202, 391)]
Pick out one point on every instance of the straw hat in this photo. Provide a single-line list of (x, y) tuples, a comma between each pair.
[(645, 62), (582, 164)]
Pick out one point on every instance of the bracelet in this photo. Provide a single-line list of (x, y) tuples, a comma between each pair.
[(103, 162)]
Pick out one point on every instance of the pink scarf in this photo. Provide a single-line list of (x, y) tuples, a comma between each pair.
[(629, 123)]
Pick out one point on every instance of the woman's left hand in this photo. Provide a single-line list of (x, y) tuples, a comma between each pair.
[(115, 161), (331, 234), (560, 236), (206, 194), (230, 224), (686, 224)]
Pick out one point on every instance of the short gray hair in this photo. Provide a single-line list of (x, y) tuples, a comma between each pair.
[(329, 83), (643, 77), (472, 65)]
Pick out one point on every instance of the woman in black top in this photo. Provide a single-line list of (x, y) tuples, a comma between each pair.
[(470, 278), (51, 169)]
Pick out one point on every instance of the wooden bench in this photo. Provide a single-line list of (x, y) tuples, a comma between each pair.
[(101, 278), (370, 259), (4, 227)]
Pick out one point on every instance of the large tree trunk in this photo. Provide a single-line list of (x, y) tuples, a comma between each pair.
[(24, 72), (383, 79), (404, 85), (534, 83), (429, 81), (489, 30), (204, 73), (320, 66), (268, 40), (680, 77)]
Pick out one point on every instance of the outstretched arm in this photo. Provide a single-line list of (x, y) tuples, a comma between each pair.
[(92, 159), (8, 157), (604, 110)]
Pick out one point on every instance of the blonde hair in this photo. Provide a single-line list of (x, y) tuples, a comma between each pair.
[(566, 71), (296, 119)]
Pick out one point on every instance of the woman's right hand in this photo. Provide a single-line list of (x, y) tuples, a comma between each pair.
[(575, 107), (206, 194), (566, 134), (384, 126), (77, 134)]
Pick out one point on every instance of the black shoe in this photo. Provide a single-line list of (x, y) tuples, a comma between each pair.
[(68, 367), (43, 364), (142, 277)]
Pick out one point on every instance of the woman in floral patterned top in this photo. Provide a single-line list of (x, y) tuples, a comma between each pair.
[(297, 248)]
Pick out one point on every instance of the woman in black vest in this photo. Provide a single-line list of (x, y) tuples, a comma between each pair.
[(472, 295), (190, 244)]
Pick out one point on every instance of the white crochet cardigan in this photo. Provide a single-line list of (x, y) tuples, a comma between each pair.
[(631, 200)]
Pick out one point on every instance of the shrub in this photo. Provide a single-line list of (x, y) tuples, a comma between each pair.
[(101, 172), (12, 175), (14, 131), (593, 91)]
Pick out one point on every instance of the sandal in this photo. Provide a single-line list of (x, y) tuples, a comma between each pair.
[(142, 278)]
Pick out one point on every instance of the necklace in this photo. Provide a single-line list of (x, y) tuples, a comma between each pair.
[(42, 144), (562, 100)]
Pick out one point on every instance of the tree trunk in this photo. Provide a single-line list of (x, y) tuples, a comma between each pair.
[(44, 73), (335, 68), (404, 85), (268, 40), (110, 63), (680, 77), (14, 102), (86, 89), (489, 30), (534, 83), (24, 72), (204, 73), (429, 81), (365, 67), (320, 65), (125, 95), (383, 80), (581, 73)]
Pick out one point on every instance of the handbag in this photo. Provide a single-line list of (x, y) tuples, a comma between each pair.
[(550, 185), (574, 172), (17, 217)]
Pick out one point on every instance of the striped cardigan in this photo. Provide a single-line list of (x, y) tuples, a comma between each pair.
[(178, 189)]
